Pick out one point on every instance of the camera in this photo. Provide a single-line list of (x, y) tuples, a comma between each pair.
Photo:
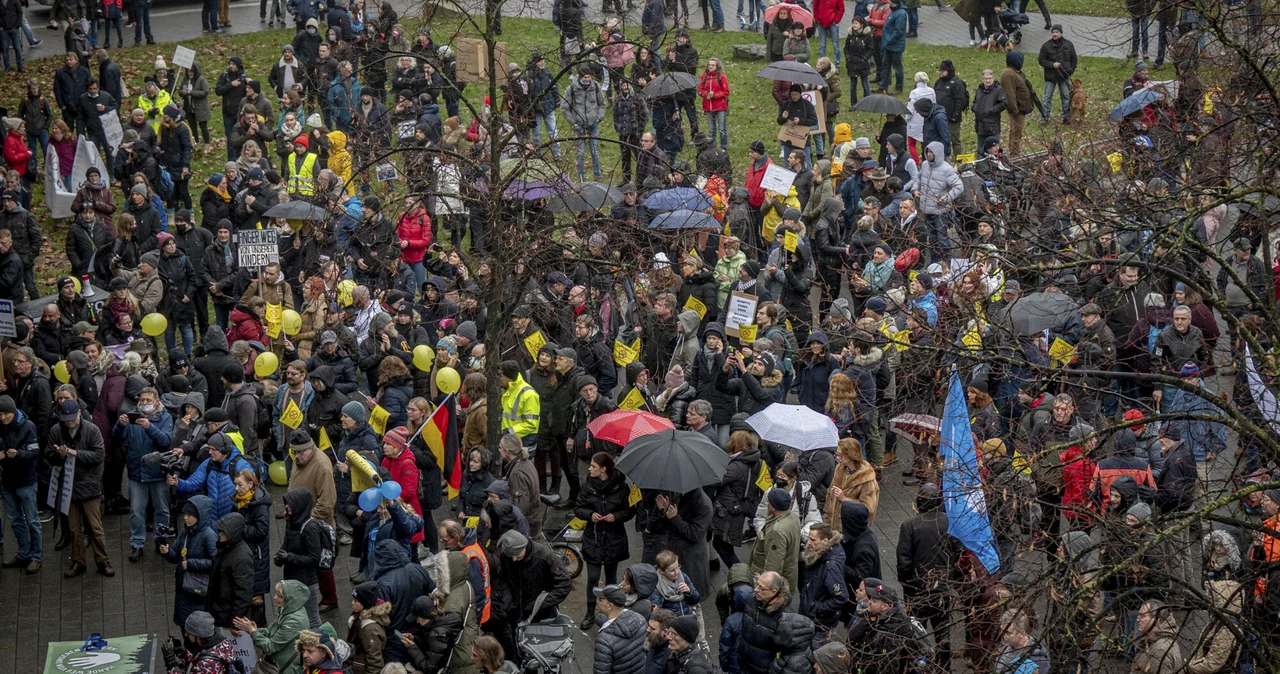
[(172, 465), (164, 534)]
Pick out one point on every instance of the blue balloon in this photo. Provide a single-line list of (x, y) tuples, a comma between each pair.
[(390, 490), (370, 499)]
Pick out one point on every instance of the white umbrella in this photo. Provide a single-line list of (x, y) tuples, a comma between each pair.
[(795, 426)]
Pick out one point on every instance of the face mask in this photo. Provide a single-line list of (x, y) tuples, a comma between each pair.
[(147, 409), (311, 31)]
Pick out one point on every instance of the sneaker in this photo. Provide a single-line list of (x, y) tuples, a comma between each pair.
[(357, 578), (131, 24), (14, 563), (262, 19), (271, 23), (53, 25), (911, 481), (973, 43), (344, 539), (718, 29), (325, 608), (136, 555)]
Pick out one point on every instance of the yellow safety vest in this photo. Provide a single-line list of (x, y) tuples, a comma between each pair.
[(147, 105), (301, 179), (521, 408)]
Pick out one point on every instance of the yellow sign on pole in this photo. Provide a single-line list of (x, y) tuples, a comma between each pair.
[(790, 240), (1117, 161), (378, 419), (324, 440), (535, 342), (747, 333), (292, 415), (635, 496), (1061, 351), (275, 319), (764, 480), (696, 305), (633, 401), (624, 355)]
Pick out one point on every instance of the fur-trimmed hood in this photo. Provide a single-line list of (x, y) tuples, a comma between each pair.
[(870, 358), (811, 557)]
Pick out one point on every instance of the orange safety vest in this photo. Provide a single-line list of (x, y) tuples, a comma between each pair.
[(1270, 553), (474, 551)]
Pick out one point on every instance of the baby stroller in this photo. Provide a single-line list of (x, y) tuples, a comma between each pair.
[(1011, 23), (545, 646)]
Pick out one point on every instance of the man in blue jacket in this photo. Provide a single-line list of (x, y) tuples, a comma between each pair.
[(214, 475), (18, 451), (936, 126), (146, 430), (893, 41), (823, 593)]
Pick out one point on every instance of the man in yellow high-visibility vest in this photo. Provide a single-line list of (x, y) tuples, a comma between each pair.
[(521, 406), (300, 167)]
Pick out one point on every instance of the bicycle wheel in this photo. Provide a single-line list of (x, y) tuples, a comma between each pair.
[(571, 557)]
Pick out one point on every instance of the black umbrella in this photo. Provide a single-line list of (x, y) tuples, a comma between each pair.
[(588, 196), (792, 71), (673, 461), (670, 84), (881, 104), (297, 210)]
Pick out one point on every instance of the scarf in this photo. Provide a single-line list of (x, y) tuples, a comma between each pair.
[(242, 501), (292, 131), (668, 589), (746, 286), (878, 274), (222, 192)]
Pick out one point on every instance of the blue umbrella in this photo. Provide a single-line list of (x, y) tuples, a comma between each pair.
[(685, 219), (1135, 102), (677, 198)]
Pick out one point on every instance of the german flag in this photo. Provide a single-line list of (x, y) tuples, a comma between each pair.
[(441, 435)]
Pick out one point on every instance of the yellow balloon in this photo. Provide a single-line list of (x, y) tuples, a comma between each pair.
[(76, 282), (61, 372), (292, 322), (344, 292), (447, 380), (153, 325), (266, 364), (423, 356)]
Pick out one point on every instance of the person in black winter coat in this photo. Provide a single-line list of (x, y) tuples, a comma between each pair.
[(89, 234), (774, 639), (756, 386), (95, 102), (400, 581), (173, 148), (736, 497), (700, 285), (300, 551), (214, 362), (604, 502), (927, 556), (529, 568), (953, 95), (630, 118), (231, 579), (430, 645), (69, 83), (707, 365), (220, 274), (823, 593), (594, 356), (989, 101), (325, 410), (257, 535), (861, 550)]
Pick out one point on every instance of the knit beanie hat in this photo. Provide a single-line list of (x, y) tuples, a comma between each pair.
[(356, 411)]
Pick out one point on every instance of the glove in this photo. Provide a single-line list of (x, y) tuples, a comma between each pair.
[(281, 556), (170, 657)]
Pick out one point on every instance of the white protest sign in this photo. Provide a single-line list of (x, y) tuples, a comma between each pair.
[(61, 481), (7, 328), (740, 311), (245, 652), (111, 126), (777, 179), (405, 129), (183, 56), (258, 247)]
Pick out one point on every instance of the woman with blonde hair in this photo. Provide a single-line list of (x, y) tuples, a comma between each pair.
[(430, 473), (855, 480), (841, 407), (315, 306), (736, 497)]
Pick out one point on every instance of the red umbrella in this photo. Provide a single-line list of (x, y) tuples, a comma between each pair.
[(913, 426), (623, 426)]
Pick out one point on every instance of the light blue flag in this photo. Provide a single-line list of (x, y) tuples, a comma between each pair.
[(961, 483)]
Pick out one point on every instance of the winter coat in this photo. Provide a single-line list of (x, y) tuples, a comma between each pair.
[(938, 183), (1202, 436), (196, 103), (736, 497), (231, 582), (277, 641), (926, 554), (367, 635), (1059, 51), (731, 630), (1015, 85), (630, 114), (452, 569), (197, 546), (988, 103), (860, 486), (894, 36), (404, 471), (139, 441), (300, 550), (823, 593), (753, 394), (936, 129), (1159, 651), (714, 90), (1177, 479), (214, 479), (685, 534), (257, 534), (520, 583), (605, 542), (779, 548), (584, 103), (86, 439), (813, 374), (861, 550), (400, 582), (774, 640), (619, 645), (703, 378)]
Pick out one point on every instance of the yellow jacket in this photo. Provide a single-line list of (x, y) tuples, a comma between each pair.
[(520, 408), (774, 218), (340, 160), (162, 99)]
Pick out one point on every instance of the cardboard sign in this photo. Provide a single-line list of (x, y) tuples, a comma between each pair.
[(533, 343), (258, 247), (406, 129), (740, 311), (964, 158), (386, 172), (243, 648), (61, 480), (183, 57), (795, 134), (777, 179), (694, 304), (472, 57), (815, 97), (7, 327), (111, 127)]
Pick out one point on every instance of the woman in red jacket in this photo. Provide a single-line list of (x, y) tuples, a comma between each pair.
[(247, 323), (414, 232), (755, 174), (400, 463), (16, 152), (713, 87)]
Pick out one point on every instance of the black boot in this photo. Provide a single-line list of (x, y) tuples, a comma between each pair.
[(555, 485), (574, 487), (542, 486), (589, 620)]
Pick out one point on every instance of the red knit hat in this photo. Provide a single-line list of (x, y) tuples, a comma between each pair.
[(303, 140), (1135, 415), (397, 437)]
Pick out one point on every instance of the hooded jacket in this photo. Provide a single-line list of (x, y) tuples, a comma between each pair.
[(861, 550), (687, 345), (934, 126), (1015, 85), (257, 535), (823, 594), (299, 553), (459, 600), (736, 497), (701, 286), (214, 478), (216, 358), (774, 640), (139, 441), (231, 581), (197, 546), (400, 582), (938, 182), (619, 647), (819, 192), (367, 635), (276, 641), (926, 553), (584, 103)]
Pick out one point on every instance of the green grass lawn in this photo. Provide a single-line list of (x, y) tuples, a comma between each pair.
[(1080, 7), (752, 111)]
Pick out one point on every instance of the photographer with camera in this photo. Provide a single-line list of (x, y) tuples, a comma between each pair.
[(203, 651), (144, 431), (215, 475), (73, 437)]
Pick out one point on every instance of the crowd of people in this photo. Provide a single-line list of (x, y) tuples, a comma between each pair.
[(887, 262)]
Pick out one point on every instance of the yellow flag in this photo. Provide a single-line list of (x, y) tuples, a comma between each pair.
[(747, 333), (790, 240), (378, 419), (534, 342), (275, 314), (635, 496), (633, 401), (577, 524), (1117, 161), (361, 471), (963, 158), (624, 355), (787, 322), (292, 415), (764, 480), (694, 304), (473, 522), (1061, 351), (324, 440)]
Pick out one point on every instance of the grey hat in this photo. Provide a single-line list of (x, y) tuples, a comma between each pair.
[(1012, 286), (152, 258), (1141, 511), (512, 543), (1091, 309), (1242, 243), (328, 337), (791, 214), (1273, 494), (139, 189), (467, 329), (780, 499), (861, 143), (567, 353), (199, 625), (499, 488), (379, 322)]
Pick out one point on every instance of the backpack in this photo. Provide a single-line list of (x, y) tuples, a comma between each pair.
[(328, 553), (166, 181), (1152, 333)]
